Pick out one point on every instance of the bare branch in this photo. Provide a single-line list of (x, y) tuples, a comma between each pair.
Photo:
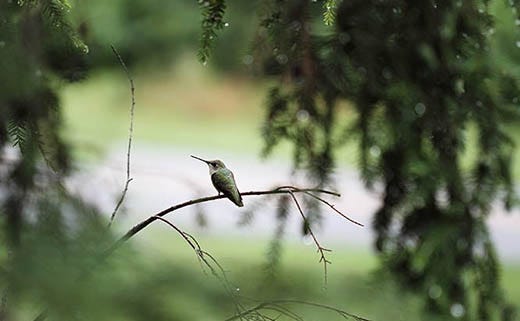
[(320, 248), (280, 190), (130, 135)]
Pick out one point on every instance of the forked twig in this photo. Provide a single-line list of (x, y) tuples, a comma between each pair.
[(280, 190), (130, 136), (320, 248), (203, 257)]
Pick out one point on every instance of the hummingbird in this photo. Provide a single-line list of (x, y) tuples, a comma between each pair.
[(223, 180)]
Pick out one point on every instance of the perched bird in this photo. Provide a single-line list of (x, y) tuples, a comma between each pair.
[(223, 180)]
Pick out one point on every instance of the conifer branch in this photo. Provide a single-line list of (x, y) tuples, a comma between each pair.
[(130, 135), (17, 131), (56, 13), (213, 21), (329, 15)]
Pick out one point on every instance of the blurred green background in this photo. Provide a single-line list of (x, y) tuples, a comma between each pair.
[(216, 109)]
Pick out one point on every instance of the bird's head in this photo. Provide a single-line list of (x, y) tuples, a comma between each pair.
[(214, 165)]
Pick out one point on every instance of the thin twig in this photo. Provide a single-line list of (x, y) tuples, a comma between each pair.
[(279, 303), (323, 306), (333, 208), (130, 136), (202, 256), (317, 190), (182, 233), (285, 311), (193, 243), (320, 248)]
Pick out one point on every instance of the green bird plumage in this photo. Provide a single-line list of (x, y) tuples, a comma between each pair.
[(223, 180)]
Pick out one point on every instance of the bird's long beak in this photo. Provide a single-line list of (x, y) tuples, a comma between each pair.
[(205, 161)]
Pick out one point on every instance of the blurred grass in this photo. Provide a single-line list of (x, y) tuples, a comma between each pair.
[(300, 277), (182, 105), (186, 105), (353, 284)]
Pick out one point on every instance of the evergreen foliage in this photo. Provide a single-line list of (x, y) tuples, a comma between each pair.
[(330, 12), (166, 30), (420, 75), (212, 22), (38, 50), (40, 47)]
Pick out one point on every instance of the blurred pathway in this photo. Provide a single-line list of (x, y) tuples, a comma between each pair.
[(164, 177)]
